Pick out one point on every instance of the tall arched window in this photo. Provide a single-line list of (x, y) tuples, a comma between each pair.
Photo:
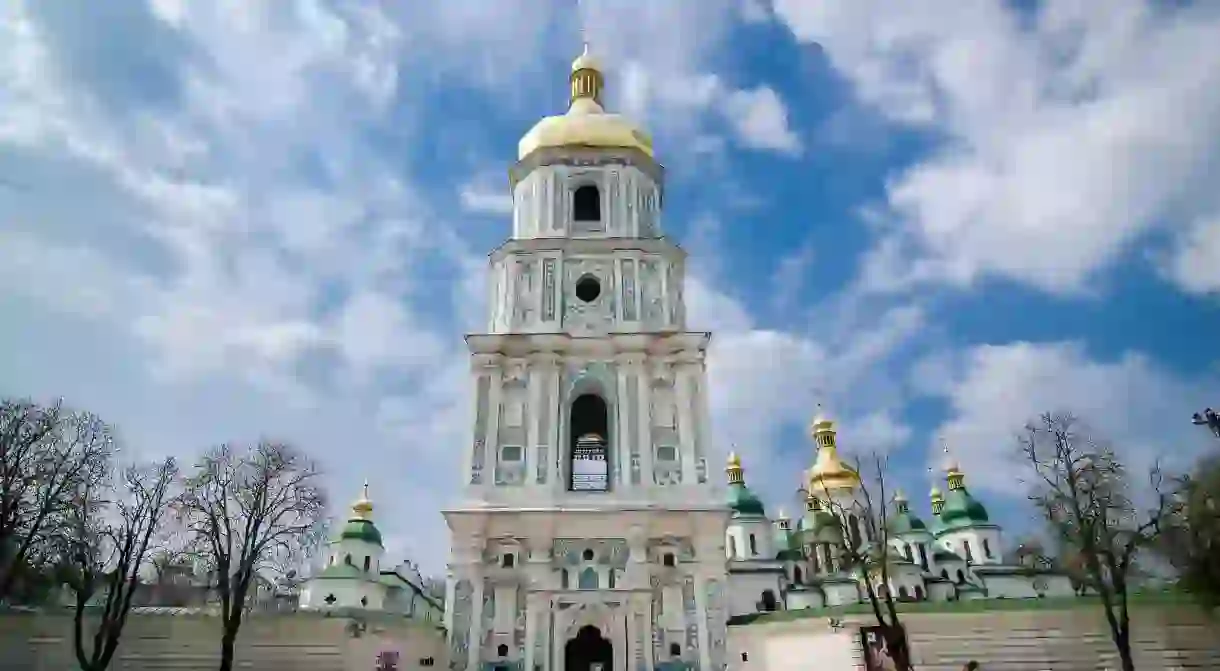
[(797, 576), (368, 562), (732, 547), (589, 424), (986, 548), (753, 546), (768, 600), (586, 204)]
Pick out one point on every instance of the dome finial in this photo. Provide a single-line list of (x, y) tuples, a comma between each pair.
[(586, 78), (733, 469), (953, 470)]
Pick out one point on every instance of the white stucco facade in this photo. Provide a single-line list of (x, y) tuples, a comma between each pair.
[(590, 530), (354, 577)]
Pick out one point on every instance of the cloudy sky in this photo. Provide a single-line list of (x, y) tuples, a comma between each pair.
[(228, 219)]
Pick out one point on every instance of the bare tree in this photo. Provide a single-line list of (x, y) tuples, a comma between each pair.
[(248, 511), (1083, 490), (862, 522), (108, 533), (46, 452)]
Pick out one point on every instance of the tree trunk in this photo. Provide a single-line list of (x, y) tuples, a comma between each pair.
[(227, 644)]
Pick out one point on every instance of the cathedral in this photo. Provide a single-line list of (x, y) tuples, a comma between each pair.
[(954, 557), (591, 532)]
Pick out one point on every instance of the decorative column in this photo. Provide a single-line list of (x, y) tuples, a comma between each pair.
[(541, 427), (537, 640), (554, 438), (645, 425), (701, 617), (475, 633), (702, 414), (684, 380), (628, 366)]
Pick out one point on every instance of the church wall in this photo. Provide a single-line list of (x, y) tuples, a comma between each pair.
[(532, 287), (630, 201), (347, 593), (657, 415), (739, 541), (191, 642), (1067, 640), (983, 544), (626, 589), (746, 593)]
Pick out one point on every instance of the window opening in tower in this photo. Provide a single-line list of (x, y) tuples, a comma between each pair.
[(586, 204), (589, 428)]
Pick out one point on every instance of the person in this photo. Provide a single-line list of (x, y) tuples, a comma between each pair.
[(971, 666)]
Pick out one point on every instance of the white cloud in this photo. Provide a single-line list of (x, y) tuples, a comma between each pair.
[(1195, 260), (1067, 138), (483, 196), (993, 390), (760, 120)]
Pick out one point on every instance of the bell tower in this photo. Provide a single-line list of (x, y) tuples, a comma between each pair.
[(587, 498)]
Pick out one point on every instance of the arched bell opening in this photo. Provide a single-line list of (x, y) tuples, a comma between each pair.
[(589, 444)]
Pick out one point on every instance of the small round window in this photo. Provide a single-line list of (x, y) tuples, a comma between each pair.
[(588, 288)]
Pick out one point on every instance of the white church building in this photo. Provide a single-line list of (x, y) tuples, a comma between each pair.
[(593, 531)]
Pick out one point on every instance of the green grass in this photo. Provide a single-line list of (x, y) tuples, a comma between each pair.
[(976, 606)]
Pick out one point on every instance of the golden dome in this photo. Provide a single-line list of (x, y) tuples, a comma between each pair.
[(734, 461), (935, 493), (363, 507), (829, 472), (586, 123)]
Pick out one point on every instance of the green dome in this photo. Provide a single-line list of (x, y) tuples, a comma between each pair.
[(962, 510), (742, 501), (905, 522), (357, 529), (815, 521)]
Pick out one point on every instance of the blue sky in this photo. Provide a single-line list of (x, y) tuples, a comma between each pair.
[(231, 219)]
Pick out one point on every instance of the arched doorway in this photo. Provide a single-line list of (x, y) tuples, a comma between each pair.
[(588, 651), (589, 431)]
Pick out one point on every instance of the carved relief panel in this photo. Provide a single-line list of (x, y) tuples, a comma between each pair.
[(526, 292), (589, 295), (514, 409), (666, 457)]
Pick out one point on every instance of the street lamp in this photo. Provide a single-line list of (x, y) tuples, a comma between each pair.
[(1209, 418)]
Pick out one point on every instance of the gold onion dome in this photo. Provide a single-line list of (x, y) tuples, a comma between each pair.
[(741, 500), (586, 123), (360, 525), (829, 472)]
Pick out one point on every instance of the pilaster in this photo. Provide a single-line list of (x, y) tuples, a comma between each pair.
[(701, 585), (645, 425), (687, 429), (554, 434), (536, 453), (474, 636)]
